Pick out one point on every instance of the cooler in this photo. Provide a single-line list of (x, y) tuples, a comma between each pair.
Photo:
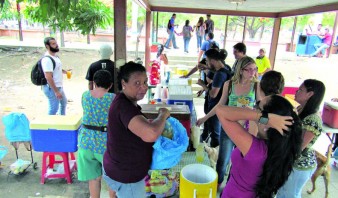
[(180, 95), (330, 114), (55, 133), (180, 112)]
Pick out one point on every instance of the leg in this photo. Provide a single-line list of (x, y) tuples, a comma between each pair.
[(225, 148), (112, 194), (63, 102), (214, 128), (95, 187), (326, 176), (174, 40), (53, 102), (188, 41), (185, 44), (295, 183), (169, 39)]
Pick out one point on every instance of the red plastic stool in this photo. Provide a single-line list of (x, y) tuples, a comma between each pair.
[(50, 156)]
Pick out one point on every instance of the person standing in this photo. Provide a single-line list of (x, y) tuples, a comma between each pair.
[(186, 31), (209, 26), (104, 63), (130, 136), (92, 137), (171, 32), (239, 51), (199, 27), (206, 45), (309, 95), (57, 100), (263, 63)]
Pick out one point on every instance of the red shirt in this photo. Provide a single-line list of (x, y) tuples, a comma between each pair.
[(127, 158)]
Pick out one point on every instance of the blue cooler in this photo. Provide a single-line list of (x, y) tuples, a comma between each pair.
[(55, 133), (180, 95)]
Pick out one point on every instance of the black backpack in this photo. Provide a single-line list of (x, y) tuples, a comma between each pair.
[(37, 74), (169, 25)]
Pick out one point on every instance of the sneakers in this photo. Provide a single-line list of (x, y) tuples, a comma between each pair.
[(176, 48)]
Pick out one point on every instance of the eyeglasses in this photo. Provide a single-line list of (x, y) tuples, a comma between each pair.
[(250, 70)]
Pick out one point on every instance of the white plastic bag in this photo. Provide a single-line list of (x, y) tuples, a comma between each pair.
[(19, 166)]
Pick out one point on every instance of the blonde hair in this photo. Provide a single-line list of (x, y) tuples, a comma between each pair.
[(241, 64)]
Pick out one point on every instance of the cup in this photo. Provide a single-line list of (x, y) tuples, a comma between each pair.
[(200, 153), (69, 74)]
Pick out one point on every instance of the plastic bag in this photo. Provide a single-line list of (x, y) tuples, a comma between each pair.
[(19, 166), (161, 183), (3, 151), (16, 127), (167, 152)]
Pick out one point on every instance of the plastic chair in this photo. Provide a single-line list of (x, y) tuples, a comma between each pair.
[(50, 156)]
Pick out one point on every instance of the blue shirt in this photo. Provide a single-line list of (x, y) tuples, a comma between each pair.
[(218, 81), (206, 45), (172, 22)]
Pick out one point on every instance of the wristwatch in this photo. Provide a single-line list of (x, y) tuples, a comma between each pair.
[(264, 119)]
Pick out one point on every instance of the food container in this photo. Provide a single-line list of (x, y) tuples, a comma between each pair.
[(330, 114)]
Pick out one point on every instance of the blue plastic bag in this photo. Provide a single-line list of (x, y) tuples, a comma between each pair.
[(16, 127), (167, 152)]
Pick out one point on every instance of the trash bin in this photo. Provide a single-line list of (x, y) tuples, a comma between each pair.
[(305, 45)]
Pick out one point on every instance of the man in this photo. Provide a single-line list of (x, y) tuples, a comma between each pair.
[(207, 44), (326, 42), (239, 51), (105, 63), (209, 26), (171, 32), (53, 90)]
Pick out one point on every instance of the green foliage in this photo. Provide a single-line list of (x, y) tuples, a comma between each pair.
[(89, 15)]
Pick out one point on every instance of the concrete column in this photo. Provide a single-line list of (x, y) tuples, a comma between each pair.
[(274, 41), (120, 32)]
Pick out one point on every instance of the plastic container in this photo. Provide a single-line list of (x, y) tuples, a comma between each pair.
[(330, 114), (180, 95), (54, 133), (198, 180), (179, 81)]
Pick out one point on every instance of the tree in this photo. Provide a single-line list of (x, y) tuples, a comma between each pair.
[(253, 24)]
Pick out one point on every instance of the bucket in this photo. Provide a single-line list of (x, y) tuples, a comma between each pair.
[(198, 180)]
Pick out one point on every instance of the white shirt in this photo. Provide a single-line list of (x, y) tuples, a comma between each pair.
[(47, 66)]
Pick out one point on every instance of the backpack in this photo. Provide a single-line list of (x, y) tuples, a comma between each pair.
[(186, 31), (212, 45), (37, 74), (169, 25)]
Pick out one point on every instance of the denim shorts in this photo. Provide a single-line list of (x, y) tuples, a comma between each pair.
[(129, 190)]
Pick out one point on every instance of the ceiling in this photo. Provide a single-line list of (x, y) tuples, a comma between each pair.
[(269, 8)]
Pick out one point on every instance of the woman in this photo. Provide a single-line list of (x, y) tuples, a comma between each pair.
[(186, 31), (309, 95), (240, 89), (130, 135), (92, 136), (262, 164), (200, 28), (272, 82), (263, 63)]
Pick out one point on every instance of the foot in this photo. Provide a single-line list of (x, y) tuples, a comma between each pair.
[(167, 47), (176, 48)]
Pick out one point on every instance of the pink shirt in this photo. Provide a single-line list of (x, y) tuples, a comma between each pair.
[(327, 39), (245, 171)]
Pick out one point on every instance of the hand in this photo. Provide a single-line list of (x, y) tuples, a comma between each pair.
[(200, 121), (201, 66), (58, 95), (200, 92), (184, 76), (165, 112), (279, 123), (200, 82)]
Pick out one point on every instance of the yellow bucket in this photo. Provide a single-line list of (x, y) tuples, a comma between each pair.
[(197, 181)]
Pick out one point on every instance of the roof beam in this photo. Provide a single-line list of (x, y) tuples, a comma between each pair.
[(310, 10), (216, 12), (144, 4)]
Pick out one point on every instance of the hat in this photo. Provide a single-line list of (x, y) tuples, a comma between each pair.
[(106, 51)]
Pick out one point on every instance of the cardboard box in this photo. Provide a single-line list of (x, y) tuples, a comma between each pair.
[(54, 133), (330, 114)]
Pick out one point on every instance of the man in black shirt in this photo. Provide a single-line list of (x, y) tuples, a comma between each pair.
[(105, 63)]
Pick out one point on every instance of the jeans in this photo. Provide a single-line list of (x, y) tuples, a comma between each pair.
[(55, 105), (214, 128), (128, 190), (225, 149), (186, 43), (205, 36), (320, 47), (295, 183), (199, 42), (171, 37)]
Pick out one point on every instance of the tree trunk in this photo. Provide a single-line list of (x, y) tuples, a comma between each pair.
[(233, 36), (62, 38), (88, 38), (262, 31), (19, 21)]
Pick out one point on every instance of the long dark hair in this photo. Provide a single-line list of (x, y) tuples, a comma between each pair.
[(200, 22), (312, 105), (283, 150), (127, 70)]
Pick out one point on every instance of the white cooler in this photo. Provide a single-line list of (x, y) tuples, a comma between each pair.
[(180, 95)]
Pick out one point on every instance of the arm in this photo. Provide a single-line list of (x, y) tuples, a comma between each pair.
[(308, 136), (50, 81), (229, 117), (193, 70), (146, 130), (213, 92), (200, 55), (222, 101)]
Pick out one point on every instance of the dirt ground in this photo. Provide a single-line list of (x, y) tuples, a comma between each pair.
[(18, 94)]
